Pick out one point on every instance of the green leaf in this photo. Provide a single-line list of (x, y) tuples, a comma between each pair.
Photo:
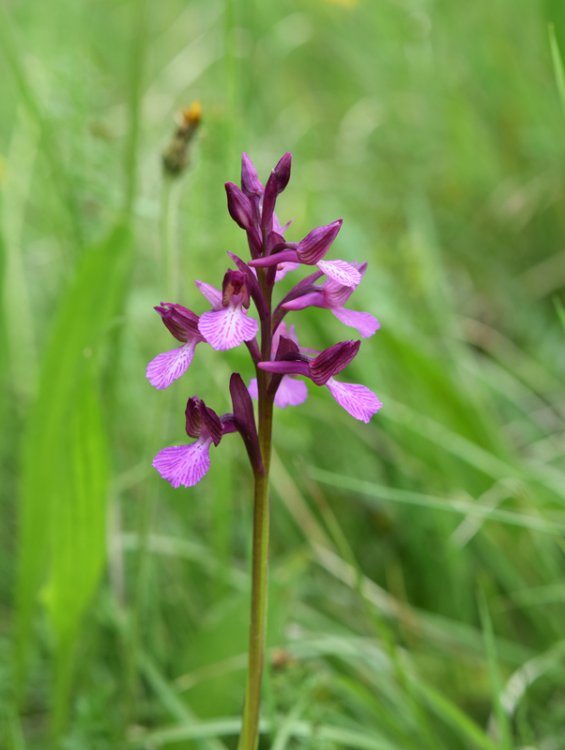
[(64, 484)]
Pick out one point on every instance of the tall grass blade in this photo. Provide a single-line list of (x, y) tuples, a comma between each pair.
[(64, 482)]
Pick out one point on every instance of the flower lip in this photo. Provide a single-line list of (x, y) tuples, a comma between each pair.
[(180, 321), (201, 421), (234, 289)]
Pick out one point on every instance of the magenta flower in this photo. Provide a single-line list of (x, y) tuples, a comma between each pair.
[(186, 464), (169, 366), (228, 325), (357, 400), (332, 295)]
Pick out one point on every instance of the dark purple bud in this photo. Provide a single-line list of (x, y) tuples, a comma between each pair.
[(252, 284), (240, 207), (287, 349), (333, 360), (275, 243), (202, 421), (282, 172), (245, 420), (234, 289), (278, 180), (250, 183), (317, 243), (180, 321)]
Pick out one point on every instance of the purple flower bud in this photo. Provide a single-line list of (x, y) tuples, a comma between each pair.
[(278, 180), (240, 207), (316, 244), (245, 420), (250, 183), (180, 321)]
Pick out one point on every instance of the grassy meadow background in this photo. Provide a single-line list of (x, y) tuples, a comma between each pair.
[(417, 587)]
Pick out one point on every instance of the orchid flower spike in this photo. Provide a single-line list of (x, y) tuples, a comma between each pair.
[(242, 312)]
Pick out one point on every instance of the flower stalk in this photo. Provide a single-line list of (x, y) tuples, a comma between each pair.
[(279, 362)]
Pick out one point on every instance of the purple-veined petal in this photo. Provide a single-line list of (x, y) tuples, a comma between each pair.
[(284, 268), (201, 421), (333, 360), (341, 271), (169, 366), (317, 243), (364, 322), (213, 295), (356, 399), (289, 332), (180, 321), (184, 465), (227, 328), (291, 392)]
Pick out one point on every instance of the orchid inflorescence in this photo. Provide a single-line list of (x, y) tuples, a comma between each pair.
[(278, 357)]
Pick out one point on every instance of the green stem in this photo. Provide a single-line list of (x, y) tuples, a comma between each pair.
[(260, 552)]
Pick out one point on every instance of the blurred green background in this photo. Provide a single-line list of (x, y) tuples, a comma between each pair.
[(417, 587)]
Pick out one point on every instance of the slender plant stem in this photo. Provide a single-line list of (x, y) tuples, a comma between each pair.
[(260, 552)]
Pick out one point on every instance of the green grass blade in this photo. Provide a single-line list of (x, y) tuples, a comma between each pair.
[(503, 723), (64, 482), (558, 66)]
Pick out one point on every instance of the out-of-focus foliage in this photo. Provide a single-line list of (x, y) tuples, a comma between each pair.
[(417, 595)]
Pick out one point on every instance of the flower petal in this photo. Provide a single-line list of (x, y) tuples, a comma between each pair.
[(356, 399), (284, 268), (180, 321), (340, 271), (213, 295), (184, 464), (227, 328), (291, 392), (317, 243), (253, 389), (364, 322), (169, 366), (333, 360)]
